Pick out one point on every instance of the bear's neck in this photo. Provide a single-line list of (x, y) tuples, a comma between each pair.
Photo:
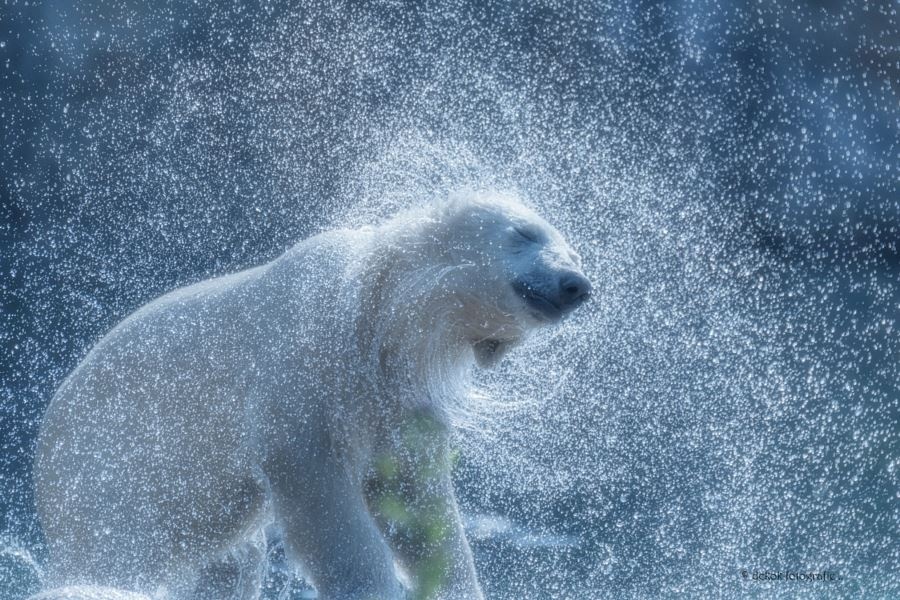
[(411, 336), (424, 360)]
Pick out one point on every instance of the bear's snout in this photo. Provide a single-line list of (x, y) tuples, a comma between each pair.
[(555, 294)]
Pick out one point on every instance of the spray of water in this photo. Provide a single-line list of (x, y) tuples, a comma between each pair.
[(727, 401)]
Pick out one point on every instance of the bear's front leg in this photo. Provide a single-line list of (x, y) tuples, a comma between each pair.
[(410, 493), (329, 531)]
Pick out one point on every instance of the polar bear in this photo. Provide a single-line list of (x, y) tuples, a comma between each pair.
[(316, 393)]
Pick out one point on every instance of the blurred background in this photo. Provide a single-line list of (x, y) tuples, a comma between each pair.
[(728, 169)]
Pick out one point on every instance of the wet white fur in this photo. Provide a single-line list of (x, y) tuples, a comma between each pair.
[(265, 396)]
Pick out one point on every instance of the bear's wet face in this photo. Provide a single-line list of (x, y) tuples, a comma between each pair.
[(516, 273), (546, 278)]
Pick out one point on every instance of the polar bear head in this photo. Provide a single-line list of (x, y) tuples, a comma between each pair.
[(479, 271), (458, 281), (514, 272)]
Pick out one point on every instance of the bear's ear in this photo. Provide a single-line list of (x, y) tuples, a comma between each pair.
[(489, 352)]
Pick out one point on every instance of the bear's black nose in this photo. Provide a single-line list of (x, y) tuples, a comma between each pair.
[(574, 289)]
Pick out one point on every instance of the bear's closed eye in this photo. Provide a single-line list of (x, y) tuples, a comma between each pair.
[(528, 234)]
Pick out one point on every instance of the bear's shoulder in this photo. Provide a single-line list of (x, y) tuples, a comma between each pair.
[(326, 255)]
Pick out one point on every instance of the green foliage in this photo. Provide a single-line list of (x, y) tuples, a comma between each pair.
[(402, 491)]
